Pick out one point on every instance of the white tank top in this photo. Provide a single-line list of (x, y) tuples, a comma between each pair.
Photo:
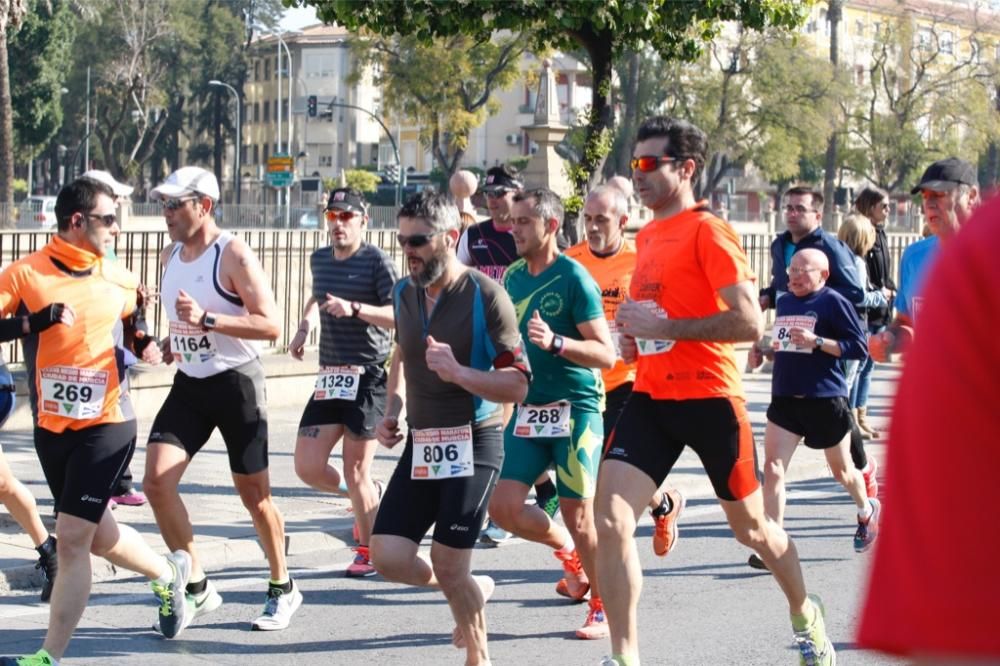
[(199, 353)]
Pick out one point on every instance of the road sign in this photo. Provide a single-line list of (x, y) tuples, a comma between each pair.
[(280, 170), (280, 178)]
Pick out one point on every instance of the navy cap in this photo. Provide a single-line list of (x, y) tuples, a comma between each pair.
[(346, 198), (946, 175), (500, 178)]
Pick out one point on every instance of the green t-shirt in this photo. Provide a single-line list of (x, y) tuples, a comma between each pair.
[(565, 295)]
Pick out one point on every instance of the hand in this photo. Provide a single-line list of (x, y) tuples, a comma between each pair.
[(755, 358), (629, 350), (166, 355), (336, 307), (297, 347), (802, 337), (539, 332), (441, 360), (50, 315), (151, 353), (637, 320), (188, 310), (387, 432)]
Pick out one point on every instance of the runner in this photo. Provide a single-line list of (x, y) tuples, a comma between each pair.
[(559, 423), (84, 309), (694, 297), (218, 302), (460, 351), (352, 290), (814, 327), (610, 259)]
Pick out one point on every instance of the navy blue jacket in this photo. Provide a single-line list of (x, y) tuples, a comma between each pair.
[(844, 278)]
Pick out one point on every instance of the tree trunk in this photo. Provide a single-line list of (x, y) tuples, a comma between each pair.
[(992, 166), (834, 13), (597, 141), (6, 140), (630, 118)]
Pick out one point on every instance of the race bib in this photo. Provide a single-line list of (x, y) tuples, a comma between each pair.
[(652, 347), (551, 420), (338, 382), (189, 343), (781, 336), (442, 453), (73, 393), (616, 337)]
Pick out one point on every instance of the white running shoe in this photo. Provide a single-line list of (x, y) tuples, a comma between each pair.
[(278, 609)]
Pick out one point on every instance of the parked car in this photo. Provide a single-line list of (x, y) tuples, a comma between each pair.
[(37, 213), (300, 218)]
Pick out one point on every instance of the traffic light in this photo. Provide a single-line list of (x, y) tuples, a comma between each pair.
[(392, 173), (311, 106)]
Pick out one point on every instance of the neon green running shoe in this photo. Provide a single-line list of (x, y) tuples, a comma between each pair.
[(815, 648), (40, 658)]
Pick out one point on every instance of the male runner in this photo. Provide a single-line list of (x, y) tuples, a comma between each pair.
[(460, 351), (610, 259), (219, 304), (694, 297), (352, 289), (85, 311), (559, 423)]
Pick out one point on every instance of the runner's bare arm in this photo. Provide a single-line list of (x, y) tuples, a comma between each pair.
[(376, 315), (742, 322), (594, 351), (387, 431), (297, 346), (508, 384), (241, 272)]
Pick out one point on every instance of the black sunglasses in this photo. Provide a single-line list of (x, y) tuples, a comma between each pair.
[(108, 220), (416, 240), (174, 204)]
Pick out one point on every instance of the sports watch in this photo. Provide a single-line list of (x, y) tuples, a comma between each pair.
[(208, 321), (558, 343), (355, 309), (819, 342)]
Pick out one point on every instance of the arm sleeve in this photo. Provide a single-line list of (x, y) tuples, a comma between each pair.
[(587, 302), (463, 249), (501, 326), (12, 328), (721, 256), (850, 333), (844, 278)]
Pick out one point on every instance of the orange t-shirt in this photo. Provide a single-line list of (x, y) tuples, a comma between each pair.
[(682, 263), (612, 274), (76, 373)]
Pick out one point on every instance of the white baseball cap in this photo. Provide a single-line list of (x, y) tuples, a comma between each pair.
[(120, 189), (187, 180)]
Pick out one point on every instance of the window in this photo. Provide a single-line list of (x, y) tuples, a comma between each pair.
[(925, 39), (859, 74), (974, 50), (326, 160), (264, 151), (859, 28), (256, 112), (878, 28), (947, 42), (267, 69), (318, 66), (256, 70), (267, 112)]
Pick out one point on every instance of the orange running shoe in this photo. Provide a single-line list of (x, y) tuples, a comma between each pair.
[(596, 625), (871, 483), (665, 534), (574, 583)]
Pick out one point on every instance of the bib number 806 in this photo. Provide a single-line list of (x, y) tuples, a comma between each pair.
[(437, 454)]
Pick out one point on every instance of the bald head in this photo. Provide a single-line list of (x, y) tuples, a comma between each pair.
[(812, 258), (623, 184), (808, 272)]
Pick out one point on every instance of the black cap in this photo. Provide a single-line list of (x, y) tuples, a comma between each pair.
[(346, 198), (501, 178), (946, 175)]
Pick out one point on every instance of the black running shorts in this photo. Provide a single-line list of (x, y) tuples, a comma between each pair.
[(822, 422), (456, 507), (360, 415), (232, 401), (614, 403), (651, 435), (82, 467)]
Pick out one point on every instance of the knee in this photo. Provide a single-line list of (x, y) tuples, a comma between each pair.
[(308, 471), (6, 486), (257, 500), (449, 574), (843, 475), (613, 526), (752, 534), (503, 512), (388, 564), (774, 470), (157, 486)]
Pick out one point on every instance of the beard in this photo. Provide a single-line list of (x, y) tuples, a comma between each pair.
[(432, 270)]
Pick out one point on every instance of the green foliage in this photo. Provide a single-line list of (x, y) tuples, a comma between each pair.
[(20, 188), (519, 163), (364, 181)]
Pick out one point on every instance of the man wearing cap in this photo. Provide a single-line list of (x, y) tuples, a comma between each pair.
[(489, 245), (219, 305), (950, 191), (352, 291)]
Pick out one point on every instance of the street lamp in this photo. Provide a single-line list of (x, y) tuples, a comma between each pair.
[(239, 138), (288, 143), (395, 149)]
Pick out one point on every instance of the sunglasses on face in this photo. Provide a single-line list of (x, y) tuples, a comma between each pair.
[(497, 194), (647, 163), (416, 240), (342, 215), (109, 220), (174, 204)]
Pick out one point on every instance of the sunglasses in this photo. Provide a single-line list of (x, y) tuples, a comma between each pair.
[(109, 220), (647, 163), (174, 204), (498, 193), (416, 240), (342, 215)]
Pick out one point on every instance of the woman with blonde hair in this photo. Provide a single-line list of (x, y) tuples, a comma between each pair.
[(858, 233)]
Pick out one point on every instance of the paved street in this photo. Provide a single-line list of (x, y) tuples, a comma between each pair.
[(701, 605)]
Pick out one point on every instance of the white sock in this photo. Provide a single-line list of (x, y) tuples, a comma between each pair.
[(569, 546), (866, 512), (167, 576)]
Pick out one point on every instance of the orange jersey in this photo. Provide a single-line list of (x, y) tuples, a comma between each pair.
[(612, 274), (76, 371), (682, 263)]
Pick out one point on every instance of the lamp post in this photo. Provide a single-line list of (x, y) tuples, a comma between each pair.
[(395, 149), (239, 138)]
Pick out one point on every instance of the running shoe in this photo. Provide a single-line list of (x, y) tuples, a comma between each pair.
[(871, 483), (48, 563), (868, 528), (172, 597), (815, 648), (40, 658), (665, 534), (132, 497), (596, 625), (493, 535), (756, 562), (362, 565), (550, 506), (278, 609), (574, 583), (197, 605)]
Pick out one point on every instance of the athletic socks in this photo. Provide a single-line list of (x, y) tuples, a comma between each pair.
[(545, 491), (285, 587), (802, 622), (666, 506), (197, 588)]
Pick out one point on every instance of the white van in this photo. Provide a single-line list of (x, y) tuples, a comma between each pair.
[(37, 213)]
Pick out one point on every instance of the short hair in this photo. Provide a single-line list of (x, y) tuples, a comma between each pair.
[(548, 205), (817, 196), (80, 196), (435, 208), (685, 141), (618, 201), (858, 233), (868, 198)]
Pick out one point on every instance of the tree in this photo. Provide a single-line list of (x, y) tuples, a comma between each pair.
[(11, 14), (446, 86), (604, 30)]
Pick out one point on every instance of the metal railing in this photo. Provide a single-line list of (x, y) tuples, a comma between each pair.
[(285, 254), (254, 216)]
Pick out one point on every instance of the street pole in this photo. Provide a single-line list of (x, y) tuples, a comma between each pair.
[(288, 141), (395, 149), (86, 133), (239, 138)]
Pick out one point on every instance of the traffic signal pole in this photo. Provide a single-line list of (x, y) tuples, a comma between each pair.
[(395, 149)]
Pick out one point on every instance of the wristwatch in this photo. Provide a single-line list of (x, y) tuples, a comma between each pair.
[(819, 342), (557, 345), (355, 309), (207, 321)]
